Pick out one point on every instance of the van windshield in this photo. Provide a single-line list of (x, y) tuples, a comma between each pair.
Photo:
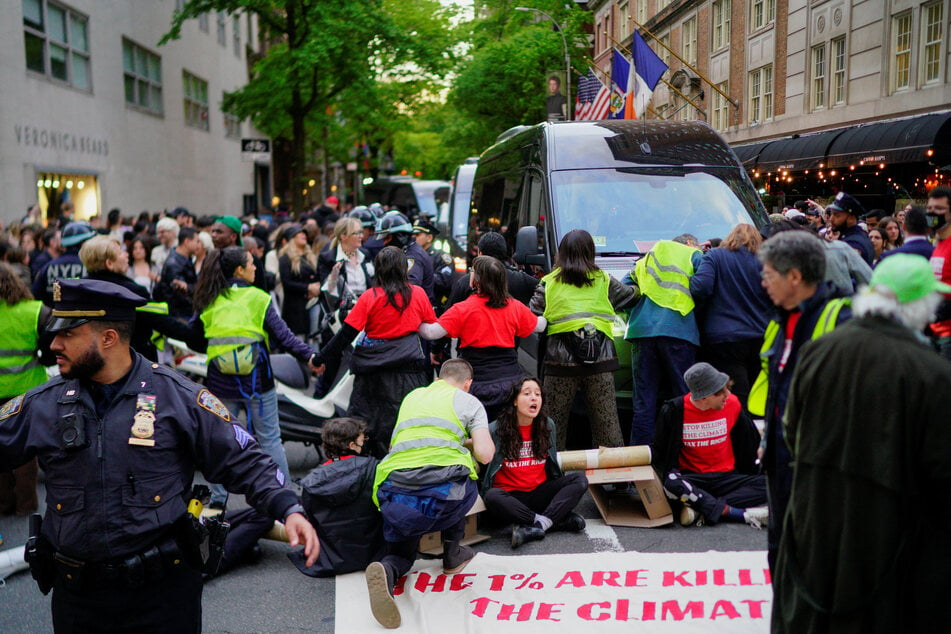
[(627, 211)]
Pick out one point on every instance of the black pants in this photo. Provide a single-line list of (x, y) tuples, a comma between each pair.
[(171, 604), (710, 492), (554, 499), (739, 359)]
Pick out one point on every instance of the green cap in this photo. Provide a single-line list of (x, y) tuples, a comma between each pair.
[(232, 223), (908, 276)]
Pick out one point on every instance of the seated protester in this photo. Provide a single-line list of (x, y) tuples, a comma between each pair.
[(524, 484), (705, 450), (338, 499)]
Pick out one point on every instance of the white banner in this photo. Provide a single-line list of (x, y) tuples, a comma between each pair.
[(588, 592)]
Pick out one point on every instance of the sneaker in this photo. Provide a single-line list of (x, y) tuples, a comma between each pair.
[(757, 516), (382, 603), (690, 517), (522, 534), (573, 523)]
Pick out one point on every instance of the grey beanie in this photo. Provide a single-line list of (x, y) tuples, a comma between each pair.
[(704, 380)]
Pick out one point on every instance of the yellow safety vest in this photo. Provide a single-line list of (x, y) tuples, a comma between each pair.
[(20, 369), (428, 432), (234, 323), (664, 275), (569, 308), (826, 323), (156, 308)]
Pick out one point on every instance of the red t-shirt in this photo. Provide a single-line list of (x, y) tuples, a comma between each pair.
[(706, 443), (377, 317), (941, 265), (478, 326), (525, 474), (791, 324)]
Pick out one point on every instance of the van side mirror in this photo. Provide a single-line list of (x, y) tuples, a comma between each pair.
[(526, 248)]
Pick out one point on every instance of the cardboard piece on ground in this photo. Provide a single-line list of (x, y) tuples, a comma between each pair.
[(431, 543), (647, 509)]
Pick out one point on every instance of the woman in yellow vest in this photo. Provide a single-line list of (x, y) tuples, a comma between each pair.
[(579, 300), (23, 334), (238, 322)]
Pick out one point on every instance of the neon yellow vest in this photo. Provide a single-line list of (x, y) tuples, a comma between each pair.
[(428, 433), (828, 319), (156, 308), (568, 308), (664, 275), (234, 320), (20, 370)]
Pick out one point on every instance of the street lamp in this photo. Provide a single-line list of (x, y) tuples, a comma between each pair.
[(564, 43)]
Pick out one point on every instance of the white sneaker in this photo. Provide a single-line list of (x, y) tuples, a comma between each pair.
[(757, 516)]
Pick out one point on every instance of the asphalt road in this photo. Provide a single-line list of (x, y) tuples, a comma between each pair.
[(273, 596)]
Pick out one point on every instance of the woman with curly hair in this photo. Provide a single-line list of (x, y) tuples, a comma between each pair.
[(524, 484)]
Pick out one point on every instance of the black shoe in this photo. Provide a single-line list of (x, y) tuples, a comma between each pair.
[(382, 603), (522, 534), (572, 523), (455, 557)]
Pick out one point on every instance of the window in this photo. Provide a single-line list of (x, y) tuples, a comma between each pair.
[(901, 51), (761, 94), (932, 27), (762, 13), (664, 52), (837, 95), (689, 34), (203, 22), (56, 43), (220, 23), (819, 77), (196, 101), (641, 11), (142, 75), (721, 23), (232, 124), (721, 108), (236, 36)]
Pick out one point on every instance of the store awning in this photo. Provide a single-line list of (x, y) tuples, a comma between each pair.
[(749, 153), (797, 153), (905, 141)]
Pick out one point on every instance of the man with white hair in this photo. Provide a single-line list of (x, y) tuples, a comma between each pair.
[(866, 543), (167, 231)]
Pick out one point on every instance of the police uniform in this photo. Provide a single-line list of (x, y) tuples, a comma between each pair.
[(442, 264), (420, 267), (119, 462)]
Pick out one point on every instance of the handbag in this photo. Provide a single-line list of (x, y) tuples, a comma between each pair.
[(585, 344), (373, 355)]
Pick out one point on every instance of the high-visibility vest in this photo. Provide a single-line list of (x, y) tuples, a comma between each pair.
[(664, 275), (235, 320), (428, 432), (826, 323), (569, 308), (20, 369), (156, 308)]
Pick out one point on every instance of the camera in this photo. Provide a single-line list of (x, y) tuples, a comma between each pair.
[(72, 432)]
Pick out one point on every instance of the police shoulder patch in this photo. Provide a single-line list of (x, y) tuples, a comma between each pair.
[(208, 401), (446, 258), (409, 263), (11, 407)]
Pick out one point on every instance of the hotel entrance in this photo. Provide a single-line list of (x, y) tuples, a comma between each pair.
[(53, 189)]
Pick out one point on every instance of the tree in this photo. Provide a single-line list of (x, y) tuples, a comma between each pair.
[(324, 55)]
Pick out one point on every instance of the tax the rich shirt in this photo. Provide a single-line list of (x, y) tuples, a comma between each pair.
[(525, 474), (706, 444)]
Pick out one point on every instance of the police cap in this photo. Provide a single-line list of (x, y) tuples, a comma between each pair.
[(846, 203), (76, 302), (425, 226)]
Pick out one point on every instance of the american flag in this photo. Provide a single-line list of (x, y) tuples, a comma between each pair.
[(594, 100)]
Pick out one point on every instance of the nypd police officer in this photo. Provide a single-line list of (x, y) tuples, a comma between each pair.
[(119, 439), (425, 232)]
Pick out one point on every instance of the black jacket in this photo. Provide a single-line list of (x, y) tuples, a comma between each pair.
[(177, 267), (294, 307)]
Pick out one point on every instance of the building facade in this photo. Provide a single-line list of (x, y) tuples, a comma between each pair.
[(819, 95), (95, 111)]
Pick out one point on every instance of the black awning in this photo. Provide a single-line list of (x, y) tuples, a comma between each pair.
[(905, 141), (749, 153), (796, 153)]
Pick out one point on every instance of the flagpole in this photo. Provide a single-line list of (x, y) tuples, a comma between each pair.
[(641, 28), (593, 65), (666, 83)]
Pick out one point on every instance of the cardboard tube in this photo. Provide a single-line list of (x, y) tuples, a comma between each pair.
[(278, 533), (605, 458)]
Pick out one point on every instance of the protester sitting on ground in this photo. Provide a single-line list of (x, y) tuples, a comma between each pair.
[(338, 499), (705, 449), (487, 325), (427, 482), (524, 484)]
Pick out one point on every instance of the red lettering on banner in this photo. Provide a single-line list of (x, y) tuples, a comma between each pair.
[(523, 613), (620, 613), (605, 578), (423, 581), (746, 578), (458, 582), (701, 578), (632, 577), (498, 581), (672, 608), (767, 576), (755, 607), (481, 604), (649, 611), (548, 611), (572, 578), (724, 608), (719, 578), (670, 578), (586, 611)]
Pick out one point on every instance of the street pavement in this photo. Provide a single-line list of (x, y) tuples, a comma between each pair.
[(272, 596)]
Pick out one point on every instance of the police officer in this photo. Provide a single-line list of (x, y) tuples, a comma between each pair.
[(425, 232), (119, 439), (397, 231), (67, 265)]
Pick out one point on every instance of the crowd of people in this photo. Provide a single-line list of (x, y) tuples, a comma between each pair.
[(754, 327)]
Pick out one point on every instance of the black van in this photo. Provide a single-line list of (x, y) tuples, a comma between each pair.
[(629, 183)]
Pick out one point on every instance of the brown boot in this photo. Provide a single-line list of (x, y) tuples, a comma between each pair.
[(455, 557)]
